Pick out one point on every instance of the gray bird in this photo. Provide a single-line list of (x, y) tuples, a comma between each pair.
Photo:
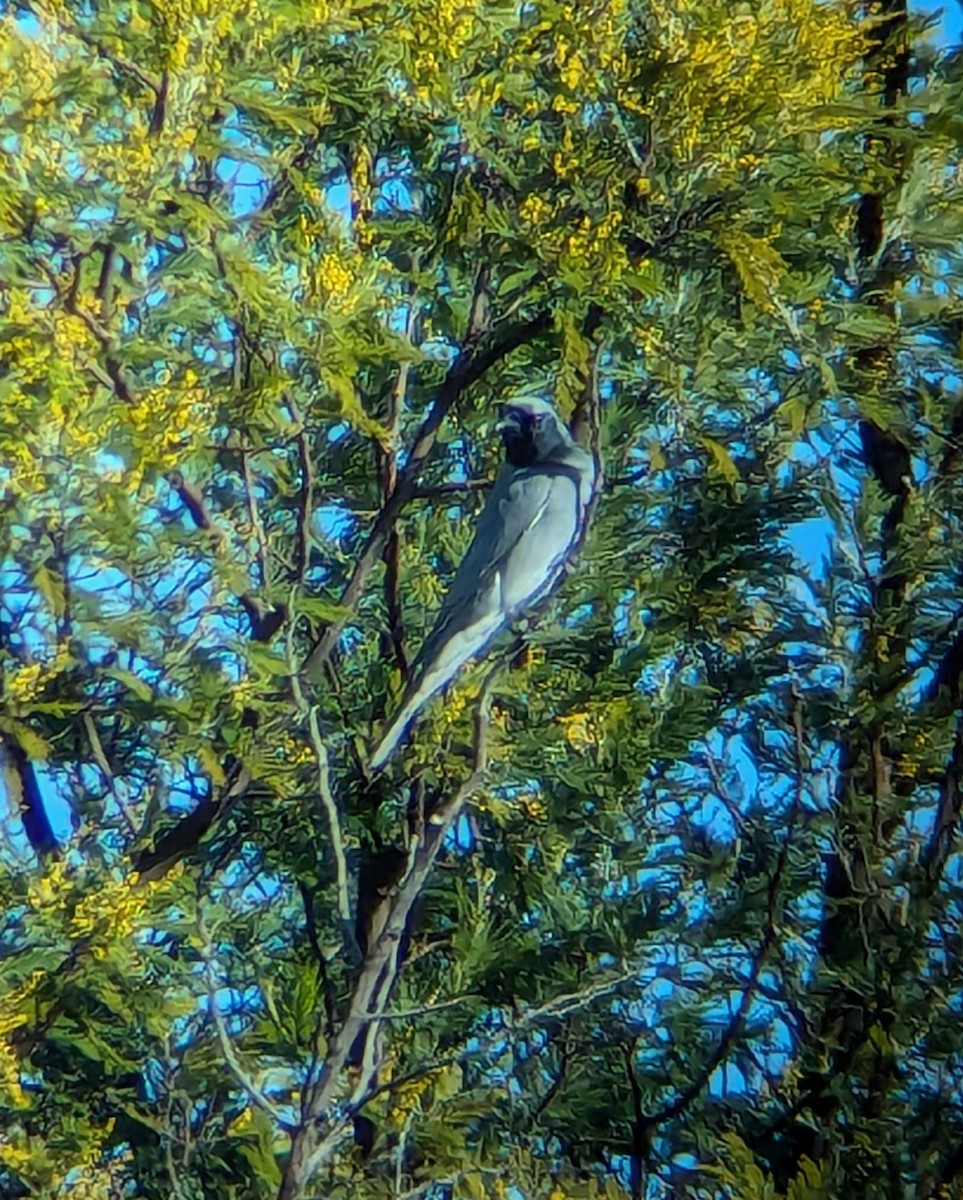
[(533, 517)]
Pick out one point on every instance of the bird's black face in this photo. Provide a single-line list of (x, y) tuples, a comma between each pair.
[(520, 429)]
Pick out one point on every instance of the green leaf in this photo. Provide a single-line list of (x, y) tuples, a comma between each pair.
[(720, 460), (51, 586), (265, 661), (30, 742), (141, 690)]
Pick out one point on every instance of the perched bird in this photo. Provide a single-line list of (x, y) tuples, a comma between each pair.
[(533, 517)]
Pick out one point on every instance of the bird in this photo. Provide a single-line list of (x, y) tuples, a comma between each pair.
[(535, 514)]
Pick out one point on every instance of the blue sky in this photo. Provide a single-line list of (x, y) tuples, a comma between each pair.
[(951, 20)]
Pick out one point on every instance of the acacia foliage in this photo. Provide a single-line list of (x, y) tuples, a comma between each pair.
[(267, 269)]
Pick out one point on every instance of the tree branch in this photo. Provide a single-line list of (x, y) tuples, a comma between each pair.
[(251, 1089), (323, 1118), (28, 799)]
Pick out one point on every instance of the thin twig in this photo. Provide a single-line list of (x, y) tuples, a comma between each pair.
[(331, 811), (254, 1093), (451, 489), (116, 59), (310, 1147), (734, 1027), (302, 558), (100, 758), (529, 1019), (386, 461), (722, 791), (324, 779), (400, 1150), (255, 516)]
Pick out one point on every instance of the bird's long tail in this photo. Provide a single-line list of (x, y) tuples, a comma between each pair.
[(448, 661), (394, 733)]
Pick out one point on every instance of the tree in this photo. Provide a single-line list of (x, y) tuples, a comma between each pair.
[(663, 897)]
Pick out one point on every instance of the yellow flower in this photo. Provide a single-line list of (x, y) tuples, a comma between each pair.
[(534, 209), (332, 276), (10, 1076), (571, 73), (580, 731), (25, 683)]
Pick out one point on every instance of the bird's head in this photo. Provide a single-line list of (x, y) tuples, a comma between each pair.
[(532, 432)]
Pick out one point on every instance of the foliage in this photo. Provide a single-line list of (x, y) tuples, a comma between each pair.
[(684, 921)]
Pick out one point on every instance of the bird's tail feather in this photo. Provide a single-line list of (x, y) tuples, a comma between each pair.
[(450, 659), (393, 735)]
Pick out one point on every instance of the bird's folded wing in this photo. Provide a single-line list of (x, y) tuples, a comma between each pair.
[(524, 532)]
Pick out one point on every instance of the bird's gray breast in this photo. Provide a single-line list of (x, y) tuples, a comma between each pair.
[(544, 506)]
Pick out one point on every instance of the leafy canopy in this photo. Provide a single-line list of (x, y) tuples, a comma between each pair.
[(688, 922)]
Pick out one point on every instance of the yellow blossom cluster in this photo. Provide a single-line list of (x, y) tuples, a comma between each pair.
[(119, 907), (455, 26), (14, 1011), (27, 682), (90, 1172), (593, 247), (407, 1100), (533, 806), (15, 1152), (587, 51), (168, 416), (193, 30), (581, 731), (456, 703), (738, 75), (572, 74), (361, 202), (649, 338), (43, 345), (333, 277), (291, 751), (31, 67), (27, 351), (447, 40), (535, 210), (28, 69), (447, 25), (116, 908), (10, 1087)]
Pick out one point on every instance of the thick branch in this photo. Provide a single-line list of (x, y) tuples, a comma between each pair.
[(324, 1120), (28, 798)]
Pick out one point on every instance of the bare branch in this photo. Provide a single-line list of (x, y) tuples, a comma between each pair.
[(254, 1093), (386, 464), (324, 1120), (255, 517), (97, 749), (464, 487), (331, 810), (302, 546), (328, 802)]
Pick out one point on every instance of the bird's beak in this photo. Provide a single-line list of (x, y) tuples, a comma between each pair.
[(510, 421)]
